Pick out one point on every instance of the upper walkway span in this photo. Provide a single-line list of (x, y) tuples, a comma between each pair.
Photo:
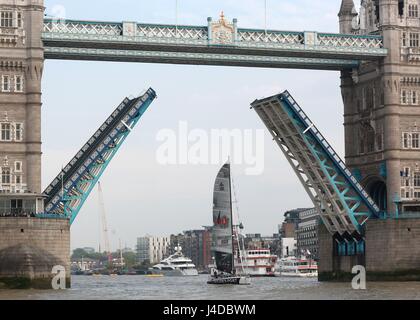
[(218, 43)]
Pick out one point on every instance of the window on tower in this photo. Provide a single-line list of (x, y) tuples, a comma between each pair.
[(19, 20), (416, 179), (18, 83), (18, 132), (413, 11), (414, 39), (5, 83), (401, 7), (6, 19), (5, 175), (377, 13), (406, 140), (415, 142), (6, 132), (411, 140), (18, 166)]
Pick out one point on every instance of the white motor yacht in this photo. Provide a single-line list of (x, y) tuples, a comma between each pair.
[(175, 265)]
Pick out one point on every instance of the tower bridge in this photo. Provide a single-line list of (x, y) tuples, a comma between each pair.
[(370, 205)]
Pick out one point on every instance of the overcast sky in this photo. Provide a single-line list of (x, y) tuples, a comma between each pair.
[(144, 197)]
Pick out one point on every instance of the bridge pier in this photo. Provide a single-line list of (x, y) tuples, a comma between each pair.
[(30, 248), (392, 253)]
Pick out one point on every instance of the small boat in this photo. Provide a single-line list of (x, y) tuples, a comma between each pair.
[(224, 233), (155, 275)]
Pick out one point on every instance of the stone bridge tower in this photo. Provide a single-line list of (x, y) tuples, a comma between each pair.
[(382, 104), (29, 247), (21, 67)]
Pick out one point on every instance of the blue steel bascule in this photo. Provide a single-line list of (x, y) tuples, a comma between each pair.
[(67, 193), (343, 204)]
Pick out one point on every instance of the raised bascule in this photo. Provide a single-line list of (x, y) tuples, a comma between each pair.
[(370, 205)]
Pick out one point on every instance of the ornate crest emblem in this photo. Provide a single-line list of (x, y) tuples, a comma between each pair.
[(222, 31), (129, 29)]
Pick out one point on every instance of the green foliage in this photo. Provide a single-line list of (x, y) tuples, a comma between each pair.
[(80, 253), (129, 257)]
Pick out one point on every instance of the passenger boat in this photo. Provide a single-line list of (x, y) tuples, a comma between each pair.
[(223, 234), (294, 267), (258, 263)]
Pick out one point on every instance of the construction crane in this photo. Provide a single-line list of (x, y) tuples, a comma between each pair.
[(104, 224)]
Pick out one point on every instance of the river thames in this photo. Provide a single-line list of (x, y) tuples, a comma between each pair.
[(196, 288)]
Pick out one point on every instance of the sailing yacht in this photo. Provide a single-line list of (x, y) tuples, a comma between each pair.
[(224, 233)]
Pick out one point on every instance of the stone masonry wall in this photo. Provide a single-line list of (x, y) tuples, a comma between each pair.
[(393, 248), (34, 245)]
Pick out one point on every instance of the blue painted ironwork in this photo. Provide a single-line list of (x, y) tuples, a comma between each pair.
[(344, 204), (360, 247), (134, 42), (69, 190), (382, 170)]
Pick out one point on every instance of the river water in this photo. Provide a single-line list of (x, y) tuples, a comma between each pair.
[(195, 288)]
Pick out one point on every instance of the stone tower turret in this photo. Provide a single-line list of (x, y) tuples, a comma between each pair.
[(346, 16)]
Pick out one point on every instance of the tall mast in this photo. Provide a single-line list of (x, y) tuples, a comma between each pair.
[(104, 222), (231, 219)]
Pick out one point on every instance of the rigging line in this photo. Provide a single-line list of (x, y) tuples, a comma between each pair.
[(239, 239)]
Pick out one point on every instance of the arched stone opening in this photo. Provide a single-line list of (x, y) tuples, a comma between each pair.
[(376, 187)]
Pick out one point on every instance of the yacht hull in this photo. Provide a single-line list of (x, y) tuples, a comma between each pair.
[(230, 280), (177, 273)]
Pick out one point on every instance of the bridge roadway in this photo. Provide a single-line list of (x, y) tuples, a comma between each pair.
[(218, 43)]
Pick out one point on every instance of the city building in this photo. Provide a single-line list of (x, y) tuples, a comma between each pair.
[(307, 233), (291, 219), (196, 245), (152, 250), (257, 241), (288, 247)]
